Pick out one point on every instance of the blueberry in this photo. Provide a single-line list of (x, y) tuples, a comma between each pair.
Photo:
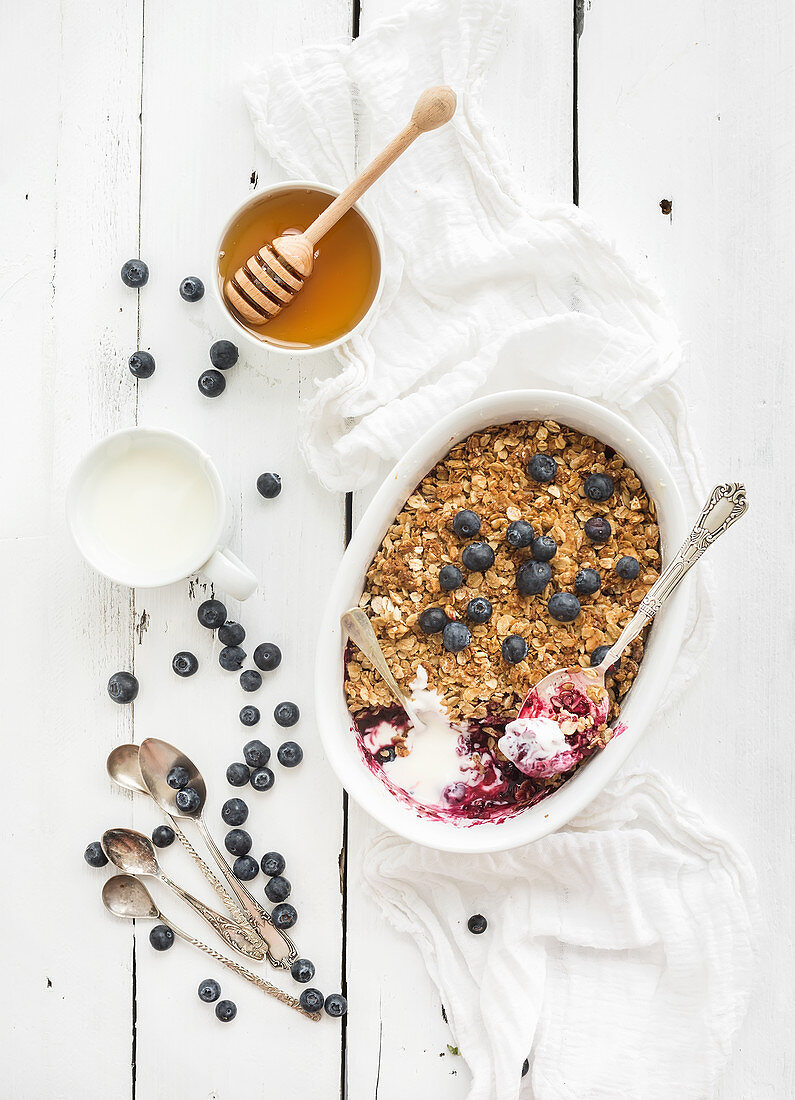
[(514, 649), (272, 863), (191, 289), (597, 529), (477, 557), (519, 534), (250, 680), (161, 937), (162, 836), (386, 754), (237, 842), (249, 716), (142, 364), (237, 775), (477, 924), (211, 383), (311, 1000), (628, 568), (303, 970), (135, 273), (122, 687), (231, 634), (211, 614), (231, 658), (245, 868), (456, 637), (234, 811), (450, 577), (479, 610), (267, 656), (226, 1011), (525, 1067), (286, 714), (269, 485), (433, 620), (94, 855), (587, 582), (532, 578), (262, 779), (290, 754), (599, 655), (466, 524), (564, 607), (277, 889), (184, 663), (542, 468), (209, 990), (223, 354), (335, 1005), (188, 800), (256, 754), (284, 915), (599, 487), (543, 548), (178, 777)]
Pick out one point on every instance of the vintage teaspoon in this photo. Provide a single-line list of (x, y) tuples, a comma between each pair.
[(359, 629)]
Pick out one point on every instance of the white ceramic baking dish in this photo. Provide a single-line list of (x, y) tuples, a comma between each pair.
[(339, 738)]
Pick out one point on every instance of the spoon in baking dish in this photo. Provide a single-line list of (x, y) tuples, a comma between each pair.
[(125, 896), (584, 688), (359, 629)]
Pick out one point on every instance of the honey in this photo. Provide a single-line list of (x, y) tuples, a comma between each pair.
[(342, 285)]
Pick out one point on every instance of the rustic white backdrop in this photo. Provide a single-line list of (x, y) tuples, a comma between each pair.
[(124, 134)]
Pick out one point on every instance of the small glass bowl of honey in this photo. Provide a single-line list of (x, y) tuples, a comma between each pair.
[(339, 295)]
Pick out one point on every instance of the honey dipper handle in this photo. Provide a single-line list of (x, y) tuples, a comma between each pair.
[(434, 108)]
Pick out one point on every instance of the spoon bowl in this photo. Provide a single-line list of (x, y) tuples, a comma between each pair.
[(125, 896), (130, 851), (124, 769), (156, 758)]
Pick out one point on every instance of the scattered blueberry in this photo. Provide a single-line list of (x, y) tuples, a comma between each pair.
[(161, 937), (231, 657), (456, 637), (272, 863), (525, 1067), (162, 836), (237, 842), (250, 680), (191, 289), (564, 607), (543, 548), (597, 529), (226, 1011), (433, 620), (211, 614), (479, 610), (599, 487), (587, 582), (262, 779), (223, 354), (237, 775), (231, 634), (450, 577), (234, 811), (249, 716), (477, 924), (533, 577), (122, 687), (628, 568), (269, 485), (290, 754), (245, 868), (335, 1005), (184, 663), (477, 557), (599, 655), (135, 273), (178, 777), (286, 714), (267, 656), (277, 889), (542, 468), (211, 383), (303, 970), (519, 534), (94, 856), (311, 1000), (514, 649), (142, 364), (256, 754), (284, 915), (187, 800), (209, 990), (466, 524)]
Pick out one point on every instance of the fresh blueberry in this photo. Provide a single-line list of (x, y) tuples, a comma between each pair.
[(456, 637), (135, 273), (187, 800), (514, 649), (290, 754), (284, 915), (479, 610), (231, 658), (286, 714), (269, 485), (237, 842), (532, 578), (234, 812), (161, 937), (311, 1000), (122, 687), (542, 468), (142, 364), (94, 856), (178, 777), (237, 775), (223, 354), (628, 568), (267, 656), (184, 663), (477, 557), (277, 888), (599, 655), (477, 924), (599, 487), (249, 715), (433, 620), (519, 534), (245, 868), (564, 607), (525, 1067), (262, 779), (256, 754), (231, 634), (597, 529), (226, 1011), (543, 548), (587, 582), (162, 836), (191, 289), (466, 524), (250, 680), (209, 990), (211, 383), (272, 863), (303, 970), (211, 614), (450, 577), (335, 1005)]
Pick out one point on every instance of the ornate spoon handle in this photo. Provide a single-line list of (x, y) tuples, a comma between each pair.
[(724, 507), (232, 935)]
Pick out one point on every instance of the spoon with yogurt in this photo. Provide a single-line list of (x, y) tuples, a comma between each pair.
[(574, 700)]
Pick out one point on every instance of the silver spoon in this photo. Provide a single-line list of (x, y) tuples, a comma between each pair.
[(125, 896), (133, 853), (156, 758), (359, 629)]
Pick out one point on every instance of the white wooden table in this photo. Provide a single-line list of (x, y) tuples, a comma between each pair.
[(124, 135)]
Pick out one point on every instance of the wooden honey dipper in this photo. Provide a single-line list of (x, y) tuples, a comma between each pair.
[(269, 280)]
